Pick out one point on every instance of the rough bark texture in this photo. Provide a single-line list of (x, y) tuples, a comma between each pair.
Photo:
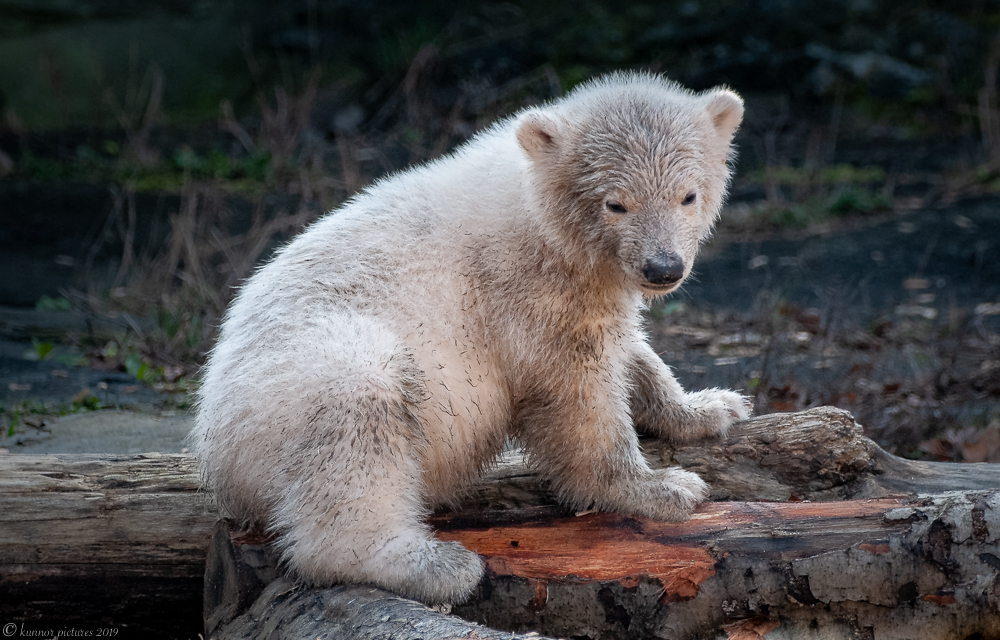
[(245, 595), (343, 611), (893, 568), (117, 538), (103, 539), (878, 568)]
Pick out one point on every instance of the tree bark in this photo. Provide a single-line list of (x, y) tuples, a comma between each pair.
[(849, 548), (879, 568), (894, 568), (116, 540)]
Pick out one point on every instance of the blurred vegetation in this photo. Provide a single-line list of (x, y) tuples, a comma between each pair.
[(84, 63), (256, 117)]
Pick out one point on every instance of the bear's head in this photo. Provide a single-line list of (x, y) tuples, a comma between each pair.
[(631, 171)]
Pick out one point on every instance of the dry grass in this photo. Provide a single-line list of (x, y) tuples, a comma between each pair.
[(216, 239)]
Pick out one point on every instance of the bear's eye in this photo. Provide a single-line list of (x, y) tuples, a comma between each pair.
[(615, 207), (689, 198)]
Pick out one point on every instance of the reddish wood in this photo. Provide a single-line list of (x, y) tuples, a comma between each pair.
[(752, 629), (597, 547), (603, 547)]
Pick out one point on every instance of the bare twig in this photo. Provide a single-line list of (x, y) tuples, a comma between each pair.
[(989, 113)]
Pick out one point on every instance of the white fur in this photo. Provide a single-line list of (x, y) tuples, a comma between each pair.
[(380, 360)]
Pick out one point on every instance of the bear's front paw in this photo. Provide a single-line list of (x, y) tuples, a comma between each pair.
[(715, 411), (669, 494)]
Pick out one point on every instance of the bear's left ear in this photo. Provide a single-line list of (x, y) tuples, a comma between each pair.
[(538, 135), (726, 110)]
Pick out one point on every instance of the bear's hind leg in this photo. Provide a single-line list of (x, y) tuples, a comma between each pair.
[(354, 508), (376, 540)]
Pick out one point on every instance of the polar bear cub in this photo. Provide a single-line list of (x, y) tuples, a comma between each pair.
[(380, 360)]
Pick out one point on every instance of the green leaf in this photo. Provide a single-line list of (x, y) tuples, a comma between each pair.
[(46, 303), (134, 364), (15, 419), (43, 349), (89, 403)]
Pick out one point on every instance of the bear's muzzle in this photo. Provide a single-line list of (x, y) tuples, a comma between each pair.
[(663, 269)]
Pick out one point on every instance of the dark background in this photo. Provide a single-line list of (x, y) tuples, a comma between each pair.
[(151, 153)]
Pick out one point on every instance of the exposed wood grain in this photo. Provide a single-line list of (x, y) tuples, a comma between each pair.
[(889, 568), (607, 546)]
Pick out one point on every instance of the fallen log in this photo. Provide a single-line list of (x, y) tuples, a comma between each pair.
[(883, 568), (115, 538), (104, 541), (894, 568)]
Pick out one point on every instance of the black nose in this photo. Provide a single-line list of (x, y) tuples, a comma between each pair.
[(663, 268)]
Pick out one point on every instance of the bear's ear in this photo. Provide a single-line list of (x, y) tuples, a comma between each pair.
[(726, 110), (538, 135)]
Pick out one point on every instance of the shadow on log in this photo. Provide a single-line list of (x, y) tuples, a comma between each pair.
[(856, 544)]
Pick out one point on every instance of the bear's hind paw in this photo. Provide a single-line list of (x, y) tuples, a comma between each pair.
[(436, 572)]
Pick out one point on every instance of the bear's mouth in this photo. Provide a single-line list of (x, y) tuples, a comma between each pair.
[(659, 290)]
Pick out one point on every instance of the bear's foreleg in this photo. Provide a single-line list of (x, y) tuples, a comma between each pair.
[(583, 443), (661, 407)]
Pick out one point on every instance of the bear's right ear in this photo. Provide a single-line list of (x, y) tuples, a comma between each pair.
[(725, 108), (538, 135)]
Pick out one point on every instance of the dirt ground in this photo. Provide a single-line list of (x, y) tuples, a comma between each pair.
[(895, 318)]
